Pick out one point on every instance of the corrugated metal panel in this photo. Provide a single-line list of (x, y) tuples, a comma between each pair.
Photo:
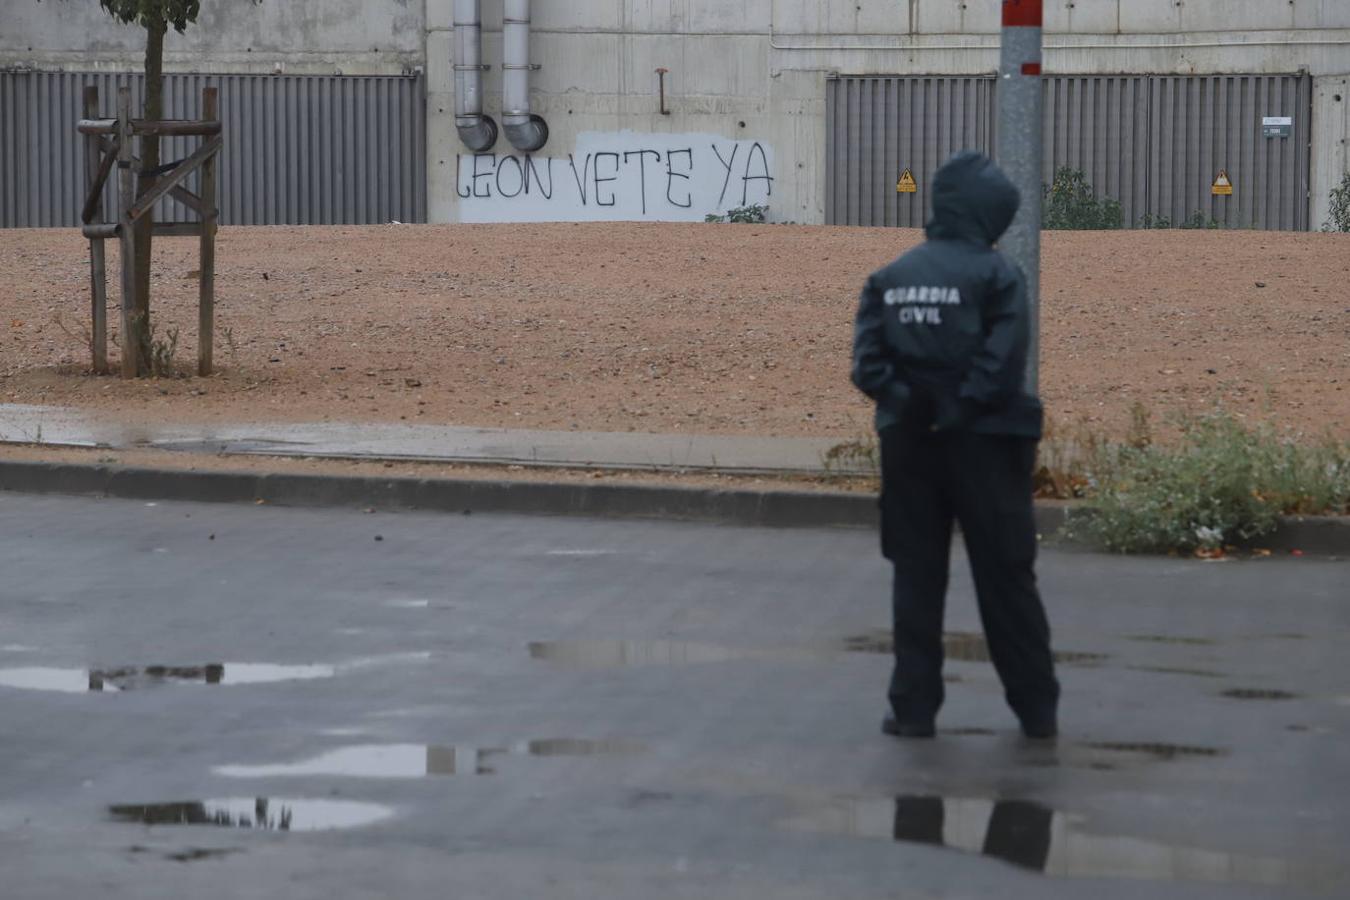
[(1100, 125), (1155, 143), (1202, 124), (876, 127), (298, 149)]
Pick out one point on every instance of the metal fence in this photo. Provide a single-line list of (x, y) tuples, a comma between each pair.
[(299, 149), (877, 127), (1155, 143)]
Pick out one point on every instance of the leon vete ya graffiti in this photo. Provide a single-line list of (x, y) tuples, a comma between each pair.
[(620, 176)]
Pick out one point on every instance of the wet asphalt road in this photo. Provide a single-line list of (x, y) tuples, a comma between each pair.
[(507, 707)]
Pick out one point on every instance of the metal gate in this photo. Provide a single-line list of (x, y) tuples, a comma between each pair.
[(302, 150), (877, 127), (1155, 143)]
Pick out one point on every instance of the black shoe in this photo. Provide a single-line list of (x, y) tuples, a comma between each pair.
[(1040, 729), (895, 728)]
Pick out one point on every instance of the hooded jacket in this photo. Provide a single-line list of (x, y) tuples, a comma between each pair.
[(941, 335)]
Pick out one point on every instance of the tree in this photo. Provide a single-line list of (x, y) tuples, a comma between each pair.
[(155, 16)]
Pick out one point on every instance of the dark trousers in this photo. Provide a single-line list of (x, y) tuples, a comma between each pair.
[(982, 482)]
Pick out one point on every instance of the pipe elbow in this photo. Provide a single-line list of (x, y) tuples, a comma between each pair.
[(479, 133), (528, 135)]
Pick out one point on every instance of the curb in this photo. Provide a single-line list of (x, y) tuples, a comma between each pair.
[(1312, 535), (782, 509)]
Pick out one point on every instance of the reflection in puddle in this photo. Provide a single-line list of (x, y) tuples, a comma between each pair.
[(1036, 837), (134, 677), (418, 760), (1171, 639), (72, 681), (607, 654), (1258, 694), (964, 646), (131, 678), (1176, 670), (1161, 751), (277, 813)]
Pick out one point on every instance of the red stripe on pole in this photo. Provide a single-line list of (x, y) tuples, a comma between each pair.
[(1017, 13), (1031, 68)]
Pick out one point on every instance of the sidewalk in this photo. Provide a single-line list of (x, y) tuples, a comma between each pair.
[(727, 454)]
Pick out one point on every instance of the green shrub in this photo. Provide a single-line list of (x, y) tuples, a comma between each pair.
[(754, 214), (1199, 220), (1070, 204), (1340, 206), (1224, 482)]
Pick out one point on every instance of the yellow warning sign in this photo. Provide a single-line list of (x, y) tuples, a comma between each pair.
[(907, 184), (1222, 186)]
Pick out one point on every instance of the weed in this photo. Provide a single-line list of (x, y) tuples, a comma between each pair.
[(1340, 206), (754, 214), (1197, 220), (859, 456), (158, 353), (1070, 203), (81, 332), (1223, 482), (230, 344), (1200, 221)]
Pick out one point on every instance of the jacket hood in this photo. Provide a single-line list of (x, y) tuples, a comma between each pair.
[(972, 200)]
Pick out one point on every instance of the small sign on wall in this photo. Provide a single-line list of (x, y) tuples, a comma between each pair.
[(1222, 187), (1277, 126)]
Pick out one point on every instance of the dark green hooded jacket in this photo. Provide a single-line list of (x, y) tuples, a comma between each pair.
[(941, 336)]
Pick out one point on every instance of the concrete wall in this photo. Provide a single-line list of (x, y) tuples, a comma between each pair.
[(751, 71), (756, 70), (366, 37)]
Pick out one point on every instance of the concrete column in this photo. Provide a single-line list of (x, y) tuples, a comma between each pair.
[(1330, 142)]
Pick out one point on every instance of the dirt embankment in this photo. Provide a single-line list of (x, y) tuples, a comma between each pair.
[(653, 327)]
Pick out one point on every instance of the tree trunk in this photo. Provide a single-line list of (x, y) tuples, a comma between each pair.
[(154, 110)]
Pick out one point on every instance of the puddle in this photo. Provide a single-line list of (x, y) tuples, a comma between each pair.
[(965, 646), (1171, 639), (610, 654), (132, 678), (127, 678), (197, 854), (1258, 694), (420, 760), (273, 814), (1158, 750), (1040, 839), (71, 681), (1175, 670)]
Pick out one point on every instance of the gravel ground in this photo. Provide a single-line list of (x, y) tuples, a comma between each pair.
[(716, 329)]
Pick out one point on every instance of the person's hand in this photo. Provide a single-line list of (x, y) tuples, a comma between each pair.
[(955, 415)]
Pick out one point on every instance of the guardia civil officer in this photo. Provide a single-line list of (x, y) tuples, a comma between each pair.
[(940, 343)]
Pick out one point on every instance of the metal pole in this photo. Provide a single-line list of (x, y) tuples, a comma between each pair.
[(1020, 152)]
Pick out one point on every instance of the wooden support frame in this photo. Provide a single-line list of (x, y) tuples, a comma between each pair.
[(99, 165), (108, 143)]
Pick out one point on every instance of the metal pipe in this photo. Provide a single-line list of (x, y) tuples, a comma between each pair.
[(1058, 46), (1020, 150), (526, 131), (477, 131), (661, 78)]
